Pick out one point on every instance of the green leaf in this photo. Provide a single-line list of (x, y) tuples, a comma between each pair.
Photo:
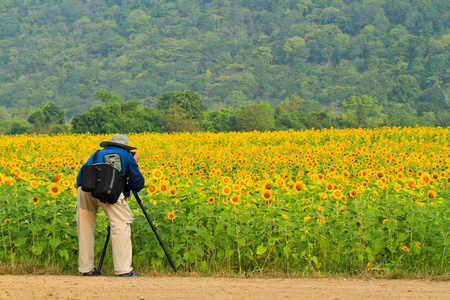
[(192, 227), (160, 252), (20, 242), (447, 241), (286, 250), (229, 253), (54, 243), (261, 250), (64, 253), (199, 250), (250, 254), (241, 241)]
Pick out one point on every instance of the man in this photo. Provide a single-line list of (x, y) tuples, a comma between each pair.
[(116, 152)]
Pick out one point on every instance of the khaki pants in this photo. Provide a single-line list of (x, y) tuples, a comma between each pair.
[(120, 217)]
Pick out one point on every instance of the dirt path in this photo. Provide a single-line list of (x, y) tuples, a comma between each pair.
[(175, 287)]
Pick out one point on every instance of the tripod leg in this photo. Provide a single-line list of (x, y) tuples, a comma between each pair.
[(104, 249), (154, 229)]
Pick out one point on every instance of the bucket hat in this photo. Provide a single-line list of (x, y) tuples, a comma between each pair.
[(119, 140)]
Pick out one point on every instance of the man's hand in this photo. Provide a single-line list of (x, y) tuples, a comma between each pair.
[(136, 156)]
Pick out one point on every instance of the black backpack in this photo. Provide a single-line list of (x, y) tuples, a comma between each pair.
[(103, 181)]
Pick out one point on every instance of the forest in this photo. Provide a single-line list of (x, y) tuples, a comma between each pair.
[(179, 65)]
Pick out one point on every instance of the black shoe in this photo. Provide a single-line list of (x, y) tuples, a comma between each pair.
[(92, 273)]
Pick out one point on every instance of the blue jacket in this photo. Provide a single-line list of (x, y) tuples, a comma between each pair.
[(129, 166)]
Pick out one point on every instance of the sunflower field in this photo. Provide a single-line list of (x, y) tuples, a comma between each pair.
[(297, 202)]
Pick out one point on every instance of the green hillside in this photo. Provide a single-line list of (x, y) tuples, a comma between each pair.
[(232, 53)]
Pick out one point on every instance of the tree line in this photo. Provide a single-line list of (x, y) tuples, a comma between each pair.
[(184, 111), (232, 53)]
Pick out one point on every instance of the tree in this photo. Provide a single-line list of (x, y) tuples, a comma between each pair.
[(176, 120), (220, 121), (287, 113), (258, 117), (406, 89), (48, 115), (18, 127), (399, 114), (358, 110), (107, 97), (189, 101), (115, 117)]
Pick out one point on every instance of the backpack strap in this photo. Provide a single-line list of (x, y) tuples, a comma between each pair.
[(95, 156)]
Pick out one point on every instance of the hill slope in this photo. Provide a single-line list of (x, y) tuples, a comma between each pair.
[(231, 52)]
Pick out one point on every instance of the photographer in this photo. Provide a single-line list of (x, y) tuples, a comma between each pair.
[(116, 152)]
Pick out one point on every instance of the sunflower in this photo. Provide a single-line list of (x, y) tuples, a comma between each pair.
[(226, 190), (281, 182), (352, 194), (410, 184), (337, 194), (57, 178), (432, 194), (323, 195), (172, 191), (8, 181), (235, 199), (54, 189), (210, 200), (7, 221), (15, 171), (163, 187), (321, 221), (237, 188), (227, 180), (2, 178), (34, 183), (157, 174), (35, 200), (426, 177), (171, 215), (267, 195), (298, 186), (329, 187)]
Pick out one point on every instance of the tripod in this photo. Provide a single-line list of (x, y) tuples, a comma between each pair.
[(138, 199)]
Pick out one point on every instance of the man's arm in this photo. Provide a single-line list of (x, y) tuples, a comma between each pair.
[(136, 179)]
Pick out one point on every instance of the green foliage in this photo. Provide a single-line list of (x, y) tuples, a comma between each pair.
[(107, 97), (71, 53), (220, 121), (258, 117), (359, 111), (19, 128), (114, 117), (187, 100), (406, 89), (48, 113), (49, 118)]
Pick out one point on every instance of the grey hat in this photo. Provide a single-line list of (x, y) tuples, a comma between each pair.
[(119, 140)]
